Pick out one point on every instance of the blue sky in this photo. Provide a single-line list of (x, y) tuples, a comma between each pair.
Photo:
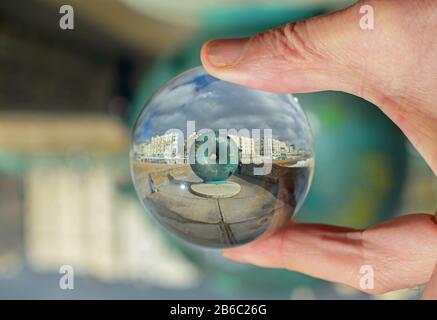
[(215, 104)]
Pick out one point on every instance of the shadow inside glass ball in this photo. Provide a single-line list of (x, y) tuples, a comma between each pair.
[(208, 198)]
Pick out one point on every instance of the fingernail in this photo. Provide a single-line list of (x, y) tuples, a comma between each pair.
[(223, 53)]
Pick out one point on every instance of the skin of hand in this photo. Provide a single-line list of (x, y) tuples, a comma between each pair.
[(394, 66)]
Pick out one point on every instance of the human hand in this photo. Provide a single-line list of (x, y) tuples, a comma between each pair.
[(395, 67)]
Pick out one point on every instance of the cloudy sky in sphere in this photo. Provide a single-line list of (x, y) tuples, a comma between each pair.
[(215, 104)]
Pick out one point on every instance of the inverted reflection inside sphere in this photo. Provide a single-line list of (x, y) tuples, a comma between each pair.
[(219, 164)]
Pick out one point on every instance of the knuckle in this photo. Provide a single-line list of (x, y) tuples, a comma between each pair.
[(290, 42), (381, 280)]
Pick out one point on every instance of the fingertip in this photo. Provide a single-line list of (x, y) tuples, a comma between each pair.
[(229, 254), (204, 58), (204, 53), (237, 255), (248, 63), (221, 58)]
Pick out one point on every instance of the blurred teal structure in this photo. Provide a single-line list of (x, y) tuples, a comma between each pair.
[(360, 155)]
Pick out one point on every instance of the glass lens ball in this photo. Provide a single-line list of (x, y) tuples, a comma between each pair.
[(219, 164)]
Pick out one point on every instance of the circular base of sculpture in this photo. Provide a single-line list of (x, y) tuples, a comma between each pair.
[(226, 189)]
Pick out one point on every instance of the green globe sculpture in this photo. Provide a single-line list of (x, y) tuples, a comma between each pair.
[(215, 159), (215, 166)]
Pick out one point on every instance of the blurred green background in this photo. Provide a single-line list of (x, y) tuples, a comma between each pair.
[(68, 99)]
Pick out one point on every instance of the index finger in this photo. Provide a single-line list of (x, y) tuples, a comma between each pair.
[(401, 252)]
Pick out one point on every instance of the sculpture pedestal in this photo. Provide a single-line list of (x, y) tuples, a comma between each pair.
[(226, 189)]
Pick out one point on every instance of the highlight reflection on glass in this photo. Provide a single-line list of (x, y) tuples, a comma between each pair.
[(219, 164)]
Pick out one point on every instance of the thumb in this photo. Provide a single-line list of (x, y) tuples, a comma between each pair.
[(393, 66), (311, 55)]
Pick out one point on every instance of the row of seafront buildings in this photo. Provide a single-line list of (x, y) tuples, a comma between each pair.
[(162, 148)]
